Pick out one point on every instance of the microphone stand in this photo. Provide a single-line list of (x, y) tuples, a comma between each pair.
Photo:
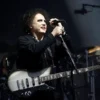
[(69, 53), (73, 64)]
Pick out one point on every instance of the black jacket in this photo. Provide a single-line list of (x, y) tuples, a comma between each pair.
[(34, 55)]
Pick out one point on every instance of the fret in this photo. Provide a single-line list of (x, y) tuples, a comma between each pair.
[(54, 76), (48, 77), (61, 75), (45, 78), (68, 73), (42, 79), (58, 75), (80, 71), (51, 77), (86, 69), (74, 71), (64, 74)]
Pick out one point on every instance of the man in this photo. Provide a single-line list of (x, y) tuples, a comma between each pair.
[(39, 49)]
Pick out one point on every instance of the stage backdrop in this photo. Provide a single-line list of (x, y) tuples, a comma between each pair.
[(85, 22)]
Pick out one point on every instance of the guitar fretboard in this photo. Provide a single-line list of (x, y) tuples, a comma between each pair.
[(67, 73)]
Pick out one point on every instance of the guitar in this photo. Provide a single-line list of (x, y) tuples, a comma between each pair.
[(25, 83)]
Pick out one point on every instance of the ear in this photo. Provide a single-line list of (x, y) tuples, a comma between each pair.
[(30, 26)]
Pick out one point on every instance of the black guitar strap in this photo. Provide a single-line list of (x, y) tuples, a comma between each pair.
[(51, 55)]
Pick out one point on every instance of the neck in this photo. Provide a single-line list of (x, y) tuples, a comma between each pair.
[(38, 36)]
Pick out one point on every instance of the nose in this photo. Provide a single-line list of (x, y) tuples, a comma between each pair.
[(44, 23)]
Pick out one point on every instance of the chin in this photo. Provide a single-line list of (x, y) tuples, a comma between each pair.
[(43, 32)]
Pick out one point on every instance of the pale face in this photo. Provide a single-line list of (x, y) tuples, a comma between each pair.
[(38, 24)]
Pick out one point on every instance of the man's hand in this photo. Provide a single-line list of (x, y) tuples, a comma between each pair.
[(58, 30)]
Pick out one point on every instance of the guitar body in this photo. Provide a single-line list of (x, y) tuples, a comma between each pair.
[(24, 83)]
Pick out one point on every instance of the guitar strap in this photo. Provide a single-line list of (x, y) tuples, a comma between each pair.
[(51, 55)]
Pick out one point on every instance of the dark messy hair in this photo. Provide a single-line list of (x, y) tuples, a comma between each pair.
[(29, 16)]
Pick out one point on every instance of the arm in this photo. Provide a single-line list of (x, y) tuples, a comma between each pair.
[(35, 47)]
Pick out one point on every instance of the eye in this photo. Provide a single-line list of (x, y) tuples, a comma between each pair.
[(40, 20)]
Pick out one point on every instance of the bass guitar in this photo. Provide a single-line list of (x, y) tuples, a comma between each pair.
[(25, 83)]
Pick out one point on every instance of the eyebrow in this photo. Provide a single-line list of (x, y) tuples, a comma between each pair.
[(41, 20)]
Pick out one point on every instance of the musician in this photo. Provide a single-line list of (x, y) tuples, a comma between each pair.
[(41, 47)]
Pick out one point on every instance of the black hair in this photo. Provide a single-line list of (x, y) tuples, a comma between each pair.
[(29, 16)]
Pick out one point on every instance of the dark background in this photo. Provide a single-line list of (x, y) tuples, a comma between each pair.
[(82, 26)]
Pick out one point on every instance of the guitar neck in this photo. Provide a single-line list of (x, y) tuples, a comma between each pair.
[(67, 73)]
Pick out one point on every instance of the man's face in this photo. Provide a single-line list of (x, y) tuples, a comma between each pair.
[(38, 24)]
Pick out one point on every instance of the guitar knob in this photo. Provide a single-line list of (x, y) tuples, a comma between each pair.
[(28, 93)]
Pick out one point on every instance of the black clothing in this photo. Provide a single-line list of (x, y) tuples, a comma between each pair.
[(35, 55)]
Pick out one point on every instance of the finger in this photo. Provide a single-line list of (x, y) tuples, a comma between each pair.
[(63, 29), (52, 19), (59, 24)]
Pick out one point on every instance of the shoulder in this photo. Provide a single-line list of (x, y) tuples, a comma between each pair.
[(25, 37)]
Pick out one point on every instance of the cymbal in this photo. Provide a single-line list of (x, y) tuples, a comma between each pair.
[(96, 48)]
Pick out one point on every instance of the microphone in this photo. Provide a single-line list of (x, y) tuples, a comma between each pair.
[(55, 22)]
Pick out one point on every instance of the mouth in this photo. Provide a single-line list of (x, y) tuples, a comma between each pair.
[(44, 28)]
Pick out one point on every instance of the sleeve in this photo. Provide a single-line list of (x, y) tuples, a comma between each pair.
[(35, 47)]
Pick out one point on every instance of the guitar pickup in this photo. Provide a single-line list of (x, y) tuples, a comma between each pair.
[(33, 82), (18, 85), (27, 82), (23, 85)]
